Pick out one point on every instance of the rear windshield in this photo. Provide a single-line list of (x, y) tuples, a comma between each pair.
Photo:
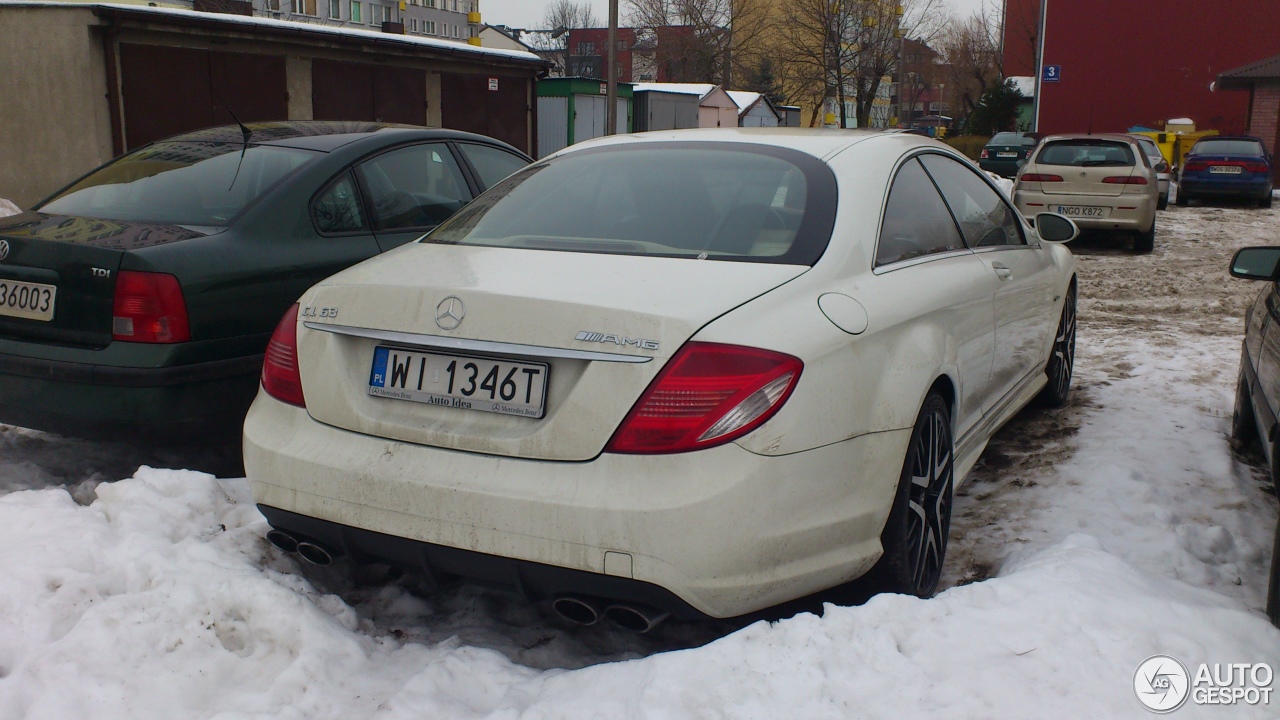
[(716, 201), (1086, 153), (1229, 147), (180, 183), (1010, 138)]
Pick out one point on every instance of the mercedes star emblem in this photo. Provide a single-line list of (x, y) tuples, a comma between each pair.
[(449, 313), (4, 249)]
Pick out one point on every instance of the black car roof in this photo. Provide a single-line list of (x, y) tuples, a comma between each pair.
[(321, 135)]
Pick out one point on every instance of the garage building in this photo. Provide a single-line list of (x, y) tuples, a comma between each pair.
[(84, 83)]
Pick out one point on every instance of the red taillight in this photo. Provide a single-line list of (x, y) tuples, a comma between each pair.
[(149, 308), (280, 376), (984, 155), (1195, 166), (1255, 167), (707, 395), (1037, 177), (1125, 180)]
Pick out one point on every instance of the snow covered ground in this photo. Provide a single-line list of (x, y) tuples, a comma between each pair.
[(1088, 539)]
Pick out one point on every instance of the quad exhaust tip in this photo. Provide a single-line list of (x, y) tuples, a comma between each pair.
[(309, 550), (636, 618), (581, 611)]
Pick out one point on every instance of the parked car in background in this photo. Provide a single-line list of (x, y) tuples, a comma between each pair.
[(1155, 158), (137, 302), (1227, 167), (1103, 182), (1005, 153), (697, 373), (1258, 385)]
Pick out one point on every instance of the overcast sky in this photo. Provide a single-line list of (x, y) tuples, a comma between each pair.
[(527, 14)]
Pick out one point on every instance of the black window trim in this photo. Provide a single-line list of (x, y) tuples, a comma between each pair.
[(1026, 239), (876, 267)]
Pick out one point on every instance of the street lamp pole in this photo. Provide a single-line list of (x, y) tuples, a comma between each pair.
[(1044, 13), (611, 111)]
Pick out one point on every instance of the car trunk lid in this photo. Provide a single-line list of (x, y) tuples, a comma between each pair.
[(73, 263), (587, 316)]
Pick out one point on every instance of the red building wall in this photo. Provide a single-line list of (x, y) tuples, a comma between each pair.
[(1140, 62)]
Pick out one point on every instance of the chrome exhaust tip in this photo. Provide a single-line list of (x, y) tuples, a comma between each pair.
[(577, 610), (283, 540), (637, 619), (315, 553)]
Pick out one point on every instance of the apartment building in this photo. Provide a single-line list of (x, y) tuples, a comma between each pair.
[(457, 20)]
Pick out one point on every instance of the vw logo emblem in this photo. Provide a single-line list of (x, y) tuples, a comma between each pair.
[(449, 313), (4, 249)]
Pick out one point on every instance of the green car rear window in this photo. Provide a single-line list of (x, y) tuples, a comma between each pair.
[(180, 183), (714, 201)]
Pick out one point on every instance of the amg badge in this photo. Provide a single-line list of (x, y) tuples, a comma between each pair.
[(588, 336)]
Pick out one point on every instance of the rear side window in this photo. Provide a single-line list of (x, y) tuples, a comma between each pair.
[(916, 222), (492, 164), (1086, 153), (337, 209), (414, 187), (985, 219), (704, 200), (1229, 147)]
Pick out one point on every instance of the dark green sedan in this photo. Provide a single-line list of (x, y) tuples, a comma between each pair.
[(136, 303)]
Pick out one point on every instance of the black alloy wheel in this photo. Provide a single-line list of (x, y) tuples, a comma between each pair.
[(1062, 358), (915, 535)]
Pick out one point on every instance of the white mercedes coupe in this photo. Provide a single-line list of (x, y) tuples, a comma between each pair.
[(695, 373)]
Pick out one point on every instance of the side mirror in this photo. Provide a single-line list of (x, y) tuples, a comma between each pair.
[(1256, 263), (1056, 228)]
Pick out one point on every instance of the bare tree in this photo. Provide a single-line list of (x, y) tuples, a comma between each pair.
[(560, 17), (842, 49), (973, 58), (725, 37)]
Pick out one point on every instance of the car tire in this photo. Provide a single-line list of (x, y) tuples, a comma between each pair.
[(915, 535), (1062, 358), (1265, 202), (1183, 198), (1244, 426), (1163, 202), (1145, 242)]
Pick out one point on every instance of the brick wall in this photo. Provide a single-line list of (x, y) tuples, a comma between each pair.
[(1266, 113)]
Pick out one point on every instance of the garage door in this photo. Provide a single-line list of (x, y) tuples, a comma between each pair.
[(171, 90), (356, 91), (493, 105)]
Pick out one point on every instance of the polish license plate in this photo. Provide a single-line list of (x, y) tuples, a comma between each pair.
[(33, 301), (1226, 169), (460, 381), (1006, 154), (1082, 211)]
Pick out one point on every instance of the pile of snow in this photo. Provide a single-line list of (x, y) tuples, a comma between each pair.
[(7, 208), (1092, 537), (161, 600)]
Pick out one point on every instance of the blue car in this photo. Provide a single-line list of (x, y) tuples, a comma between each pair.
[(1220, 166)]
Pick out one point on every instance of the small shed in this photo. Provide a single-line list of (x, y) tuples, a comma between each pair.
[(755, 109), (571, 110), (671, 106), (790, 115)]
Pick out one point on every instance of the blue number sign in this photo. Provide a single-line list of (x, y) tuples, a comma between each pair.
[(1052, 73)]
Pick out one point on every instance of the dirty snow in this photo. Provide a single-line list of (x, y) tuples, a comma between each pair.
[(1087, 539), (7, 208)]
